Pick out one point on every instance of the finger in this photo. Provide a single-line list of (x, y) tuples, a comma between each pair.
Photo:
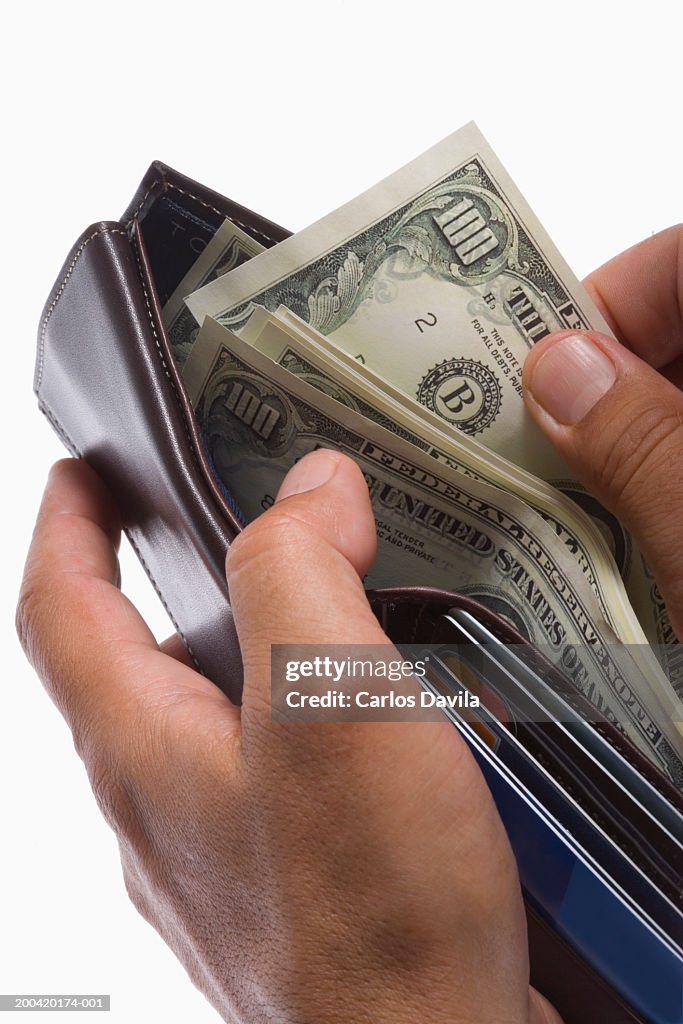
[(295, 579), (619, 425), (295, 573), (640, 293), (93, 651)]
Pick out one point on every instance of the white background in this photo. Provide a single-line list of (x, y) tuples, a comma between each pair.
[(290, 109)]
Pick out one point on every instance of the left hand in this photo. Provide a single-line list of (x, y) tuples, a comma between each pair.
[(301, 872)]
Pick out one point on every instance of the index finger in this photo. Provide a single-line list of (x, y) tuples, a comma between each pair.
[(640, 294), (95, 654)]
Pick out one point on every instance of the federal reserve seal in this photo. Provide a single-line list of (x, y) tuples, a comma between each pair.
[(464, 392)]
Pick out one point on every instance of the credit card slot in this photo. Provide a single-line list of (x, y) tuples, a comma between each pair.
[(579, 901), (609, 806), (569, 707), (606, 856)]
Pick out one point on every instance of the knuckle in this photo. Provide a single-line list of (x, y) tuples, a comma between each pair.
[(23, 619), (49, 648), (649, 447), (47, 645), (274, 531), (32, 603)]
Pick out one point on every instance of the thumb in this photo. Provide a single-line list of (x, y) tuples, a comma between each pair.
[(619, 425), (295, 572), (409, 787)]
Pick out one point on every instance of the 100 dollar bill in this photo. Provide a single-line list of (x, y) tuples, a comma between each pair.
[(441, 279), (305, 353), (435, 526)]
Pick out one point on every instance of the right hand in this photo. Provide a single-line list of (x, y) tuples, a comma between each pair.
[(614, 409)]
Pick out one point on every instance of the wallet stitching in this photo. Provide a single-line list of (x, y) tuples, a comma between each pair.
[(60, 292), (128, 532), (64, 434), (250, 229), (60, 429), (142, 201)]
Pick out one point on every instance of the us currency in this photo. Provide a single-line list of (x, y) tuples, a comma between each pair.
[(228, 248), (441, 279), (293, 344), (434, 526)]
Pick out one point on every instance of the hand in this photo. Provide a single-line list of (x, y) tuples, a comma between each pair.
[(303, 873), (614, 410)]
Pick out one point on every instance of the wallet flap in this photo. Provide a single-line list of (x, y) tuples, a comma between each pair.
[(99, 340)]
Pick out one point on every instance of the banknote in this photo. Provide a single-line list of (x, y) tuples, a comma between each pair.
[(228, 248), (293, 344), (435, 526), (301, 350), (441, 279)]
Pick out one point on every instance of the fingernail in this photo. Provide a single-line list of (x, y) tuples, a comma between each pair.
[(570, 378), (314, 470)]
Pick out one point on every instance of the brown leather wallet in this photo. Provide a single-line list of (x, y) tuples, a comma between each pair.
[(107, 381)]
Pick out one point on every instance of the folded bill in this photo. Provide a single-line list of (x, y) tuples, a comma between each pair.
[(410, 310), (440, 278), (228, 248), (436, 526)]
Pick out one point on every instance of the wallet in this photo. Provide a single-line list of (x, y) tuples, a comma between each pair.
[(604, 898)]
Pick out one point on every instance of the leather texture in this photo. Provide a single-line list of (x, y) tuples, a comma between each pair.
[(107, 381), (107, 387), (577, 991)]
